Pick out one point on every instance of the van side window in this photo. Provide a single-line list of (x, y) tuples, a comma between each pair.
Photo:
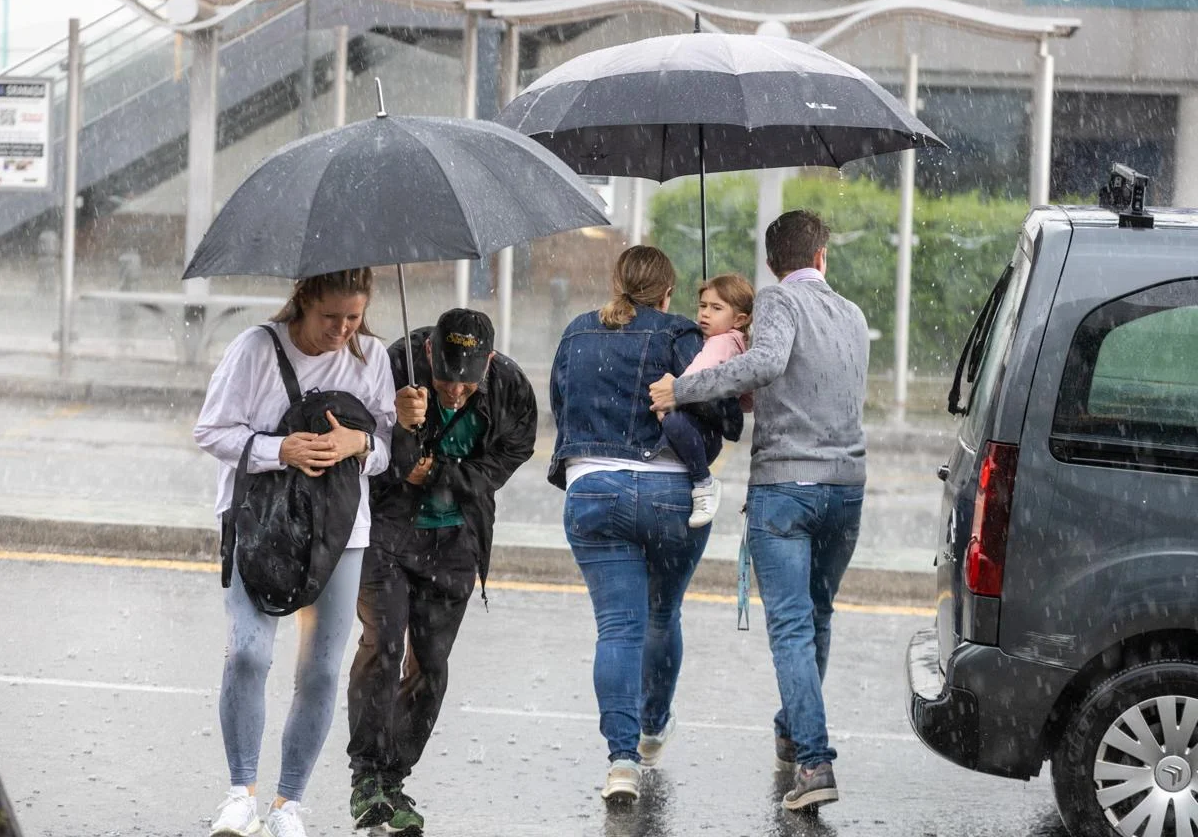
[(1129, 394)]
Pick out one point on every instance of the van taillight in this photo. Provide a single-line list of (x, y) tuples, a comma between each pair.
[(986, 555)]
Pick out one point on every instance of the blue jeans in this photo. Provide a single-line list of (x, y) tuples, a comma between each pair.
[(801, 538), (629, 536)]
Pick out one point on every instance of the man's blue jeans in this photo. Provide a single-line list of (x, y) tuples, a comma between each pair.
[(629, 536), (801, 538)]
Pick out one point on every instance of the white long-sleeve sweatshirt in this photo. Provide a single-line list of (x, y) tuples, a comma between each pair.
[(247, 395)]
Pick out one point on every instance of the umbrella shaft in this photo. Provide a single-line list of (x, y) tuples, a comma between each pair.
[(702, 202), (407, 332)]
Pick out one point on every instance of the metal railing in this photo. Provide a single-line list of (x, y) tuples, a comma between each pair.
[(126, 53)]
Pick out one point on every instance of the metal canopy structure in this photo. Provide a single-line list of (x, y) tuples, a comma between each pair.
[(825, 21)]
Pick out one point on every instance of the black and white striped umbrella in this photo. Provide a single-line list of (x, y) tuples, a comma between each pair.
[(669, 106)]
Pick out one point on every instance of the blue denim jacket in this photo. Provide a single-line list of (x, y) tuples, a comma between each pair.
[(599, 387)]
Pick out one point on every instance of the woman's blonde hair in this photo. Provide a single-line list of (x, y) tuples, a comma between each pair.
[(356, 280), (642, 276), (735, 290)]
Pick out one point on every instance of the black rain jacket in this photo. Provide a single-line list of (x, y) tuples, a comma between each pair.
[(508, 407)]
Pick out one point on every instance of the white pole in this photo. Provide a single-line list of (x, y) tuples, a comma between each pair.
[(636, 227), (70, 187), (1042, 126), (511, 85), (769, 207), (902, 290), (1185, 177), (461, 271), (341, 38), (201, 168), (769, 183)]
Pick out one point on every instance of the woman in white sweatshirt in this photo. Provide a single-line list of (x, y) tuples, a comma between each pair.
[(323, 333)]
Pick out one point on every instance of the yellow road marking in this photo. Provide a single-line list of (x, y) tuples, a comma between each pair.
[(497, 584), (70, 411), (108, 561)]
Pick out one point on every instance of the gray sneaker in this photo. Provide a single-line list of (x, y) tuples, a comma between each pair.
[(785, 760), (623, 781), (813, 787), (650, 746)]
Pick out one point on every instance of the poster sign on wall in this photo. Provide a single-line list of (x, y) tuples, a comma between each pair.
[(25, 133)]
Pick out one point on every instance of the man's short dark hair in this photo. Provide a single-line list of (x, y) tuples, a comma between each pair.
[(793, 239)]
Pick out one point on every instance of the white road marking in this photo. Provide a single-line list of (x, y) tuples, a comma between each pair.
[(101, 686), (594, 719)]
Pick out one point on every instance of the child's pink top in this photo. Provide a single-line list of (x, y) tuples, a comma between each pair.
[(717, 349)]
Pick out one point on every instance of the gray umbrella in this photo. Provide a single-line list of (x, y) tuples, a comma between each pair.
[(393, 190), (664, 107)]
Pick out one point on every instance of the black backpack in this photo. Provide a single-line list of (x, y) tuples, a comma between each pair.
[(285, 530)]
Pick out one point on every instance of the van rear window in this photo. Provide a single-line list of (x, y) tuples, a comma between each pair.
[(985, 354), (1129, 394)]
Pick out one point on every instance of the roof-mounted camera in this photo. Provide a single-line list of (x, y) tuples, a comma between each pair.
[(1124, 193)]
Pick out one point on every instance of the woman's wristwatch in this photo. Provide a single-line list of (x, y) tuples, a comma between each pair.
[(369, 447)]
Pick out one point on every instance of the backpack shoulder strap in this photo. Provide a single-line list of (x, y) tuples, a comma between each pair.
[(229, 518), (285, 368)]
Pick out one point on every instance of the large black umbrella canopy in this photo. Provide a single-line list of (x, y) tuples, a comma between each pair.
[(393, 190), (664, 107), (669, 106)]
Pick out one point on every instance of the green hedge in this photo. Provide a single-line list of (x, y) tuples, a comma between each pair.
[(963, 243)]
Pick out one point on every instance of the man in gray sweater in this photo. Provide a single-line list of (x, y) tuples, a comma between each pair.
[(806, 366)]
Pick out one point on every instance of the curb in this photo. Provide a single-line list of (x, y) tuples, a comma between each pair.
[(94, 391), (508, 562), (897, 438)]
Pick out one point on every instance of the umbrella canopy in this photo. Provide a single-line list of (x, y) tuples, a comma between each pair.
[(664, 107), (392, 190)]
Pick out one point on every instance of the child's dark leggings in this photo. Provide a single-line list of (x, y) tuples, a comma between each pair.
[(695, 444)]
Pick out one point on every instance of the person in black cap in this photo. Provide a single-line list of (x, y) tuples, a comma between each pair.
[(433, 513)]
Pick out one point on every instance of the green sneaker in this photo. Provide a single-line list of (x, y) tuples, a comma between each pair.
[(370, 804), (406, 821)]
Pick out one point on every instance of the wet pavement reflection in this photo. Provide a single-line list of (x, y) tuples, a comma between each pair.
[(109, 707)]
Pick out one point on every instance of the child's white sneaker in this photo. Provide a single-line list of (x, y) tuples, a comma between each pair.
[(705, 501), (285, 821), (237, 816)]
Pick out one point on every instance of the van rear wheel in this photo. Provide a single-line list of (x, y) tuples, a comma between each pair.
[(1127, 763)]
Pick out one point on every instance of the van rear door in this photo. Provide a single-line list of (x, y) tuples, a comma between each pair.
[(989, 392)]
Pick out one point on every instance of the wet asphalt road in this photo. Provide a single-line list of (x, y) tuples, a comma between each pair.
[(108, 723)]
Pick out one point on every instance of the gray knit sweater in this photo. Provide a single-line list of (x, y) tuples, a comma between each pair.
[(807, 366)]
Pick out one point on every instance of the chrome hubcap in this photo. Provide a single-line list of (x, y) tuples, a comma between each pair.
[(1145, 771)]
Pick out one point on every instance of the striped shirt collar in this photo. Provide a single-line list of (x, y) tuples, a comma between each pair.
[(804, 274)]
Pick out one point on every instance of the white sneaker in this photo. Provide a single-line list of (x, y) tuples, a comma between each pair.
[(623, 781), (650, 746), (237, 816), (705, 500), (285, 821)]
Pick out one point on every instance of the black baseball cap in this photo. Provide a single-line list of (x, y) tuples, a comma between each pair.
[(462, 343)]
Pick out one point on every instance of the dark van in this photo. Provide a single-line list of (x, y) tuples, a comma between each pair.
[(1067, 615)]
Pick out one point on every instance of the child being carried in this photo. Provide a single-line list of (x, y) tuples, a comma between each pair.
[(725, 314)]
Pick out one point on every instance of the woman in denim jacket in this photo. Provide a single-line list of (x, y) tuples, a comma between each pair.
[(628, 499)]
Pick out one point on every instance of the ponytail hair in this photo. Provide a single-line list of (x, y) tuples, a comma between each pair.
[(642, 276), (312, 289)]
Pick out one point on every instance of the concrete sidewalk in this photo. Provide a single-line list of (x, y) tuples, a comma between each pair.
[(97, 456)]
